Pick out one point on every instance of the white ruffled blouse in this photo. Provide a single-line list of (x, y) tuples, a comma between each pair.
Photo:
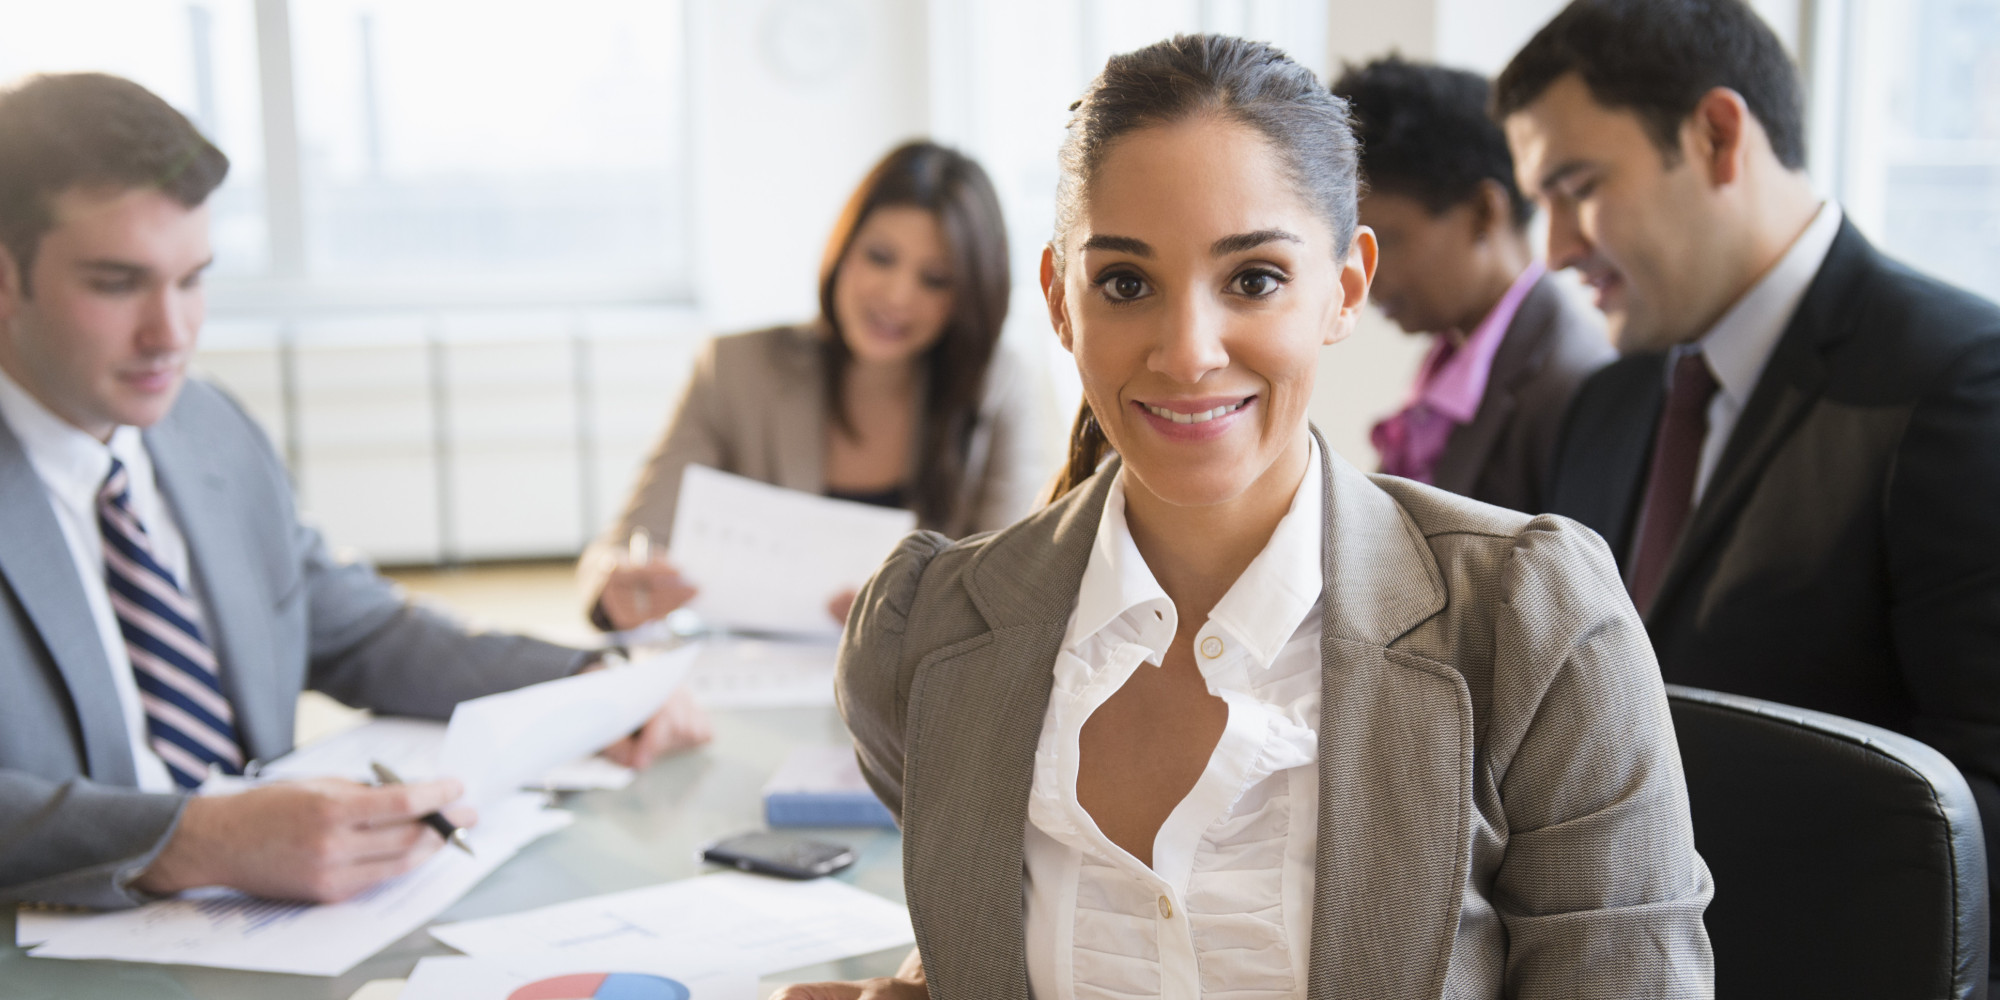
[(1226, 909)]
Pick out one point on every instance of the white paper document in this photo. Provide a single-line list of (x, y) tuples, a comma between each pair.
[(33, 926), (742, 672), (768, 559), (412, 747), (764, 925), (229, 930), (500, 742), (551, 976)]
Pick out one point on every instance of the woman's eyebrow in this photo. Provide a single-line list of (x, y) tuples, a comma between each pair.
[(1119, 244), (1250, 241)]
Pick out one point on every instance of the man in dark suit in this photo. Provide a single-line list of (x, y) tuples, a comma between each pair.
[(161, 605), (1797, 460), (1509, 347)]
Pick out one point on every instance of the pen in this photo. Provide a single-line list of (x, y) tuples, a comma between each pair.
[(435, 820)]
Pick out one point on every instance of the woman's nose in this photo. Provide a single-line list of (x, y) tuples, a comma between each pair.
[(1190, 344)]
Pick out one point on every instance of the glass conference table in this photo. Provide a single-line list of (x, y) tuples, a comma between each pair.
[(647, 833)]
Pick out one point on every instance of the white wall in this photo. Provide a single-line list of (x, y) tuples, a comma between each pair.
[(793, 101)]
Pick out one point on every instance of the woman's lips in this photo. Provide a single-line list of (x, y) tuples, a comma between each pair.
[(1194, 419)]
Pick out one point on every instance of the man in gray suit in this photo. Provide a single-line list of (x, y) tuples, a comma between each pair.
[(161, 606), (1509, 346)]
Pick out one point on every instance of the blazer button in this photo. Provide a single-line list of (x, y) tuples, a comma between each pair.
[(1211, 647), (1166, 908)]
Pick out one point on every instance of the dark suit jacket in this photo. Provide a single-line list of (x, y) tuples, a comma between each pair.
[(1503, 455), (1846, 555), (282, 614)]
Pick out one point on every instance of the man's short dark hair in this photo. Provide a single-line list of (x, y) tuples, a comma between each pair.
[(1425, 134), (91, 130), (1657, 58)]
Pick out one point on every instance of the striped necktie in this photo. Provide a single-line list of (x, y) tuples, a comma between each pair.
[(187, 714)]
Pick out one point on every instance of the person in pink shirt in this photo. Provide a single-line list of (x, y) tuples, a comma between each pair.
[(1509, 346)]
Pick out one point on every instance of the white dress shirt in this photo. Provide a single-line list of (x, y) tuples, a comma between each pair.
[(1226, 908), (72, 466), (1738, 346)]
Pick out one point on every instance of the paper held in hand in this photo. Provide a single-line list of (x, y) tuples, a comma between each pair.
[(501, 742), (768, 559)]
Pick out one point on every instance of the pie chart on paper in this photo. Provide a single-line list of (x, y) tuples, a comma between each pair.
[(603, 986)]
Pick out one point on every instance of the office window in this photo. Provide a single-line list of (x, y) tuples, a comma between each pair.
[(1911, 112), (491, 139), (199, 57), (427, 149)]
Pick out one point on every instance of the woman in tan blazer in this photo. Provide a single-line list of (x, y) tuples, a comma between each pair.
[(1228, 717), (899, 394)]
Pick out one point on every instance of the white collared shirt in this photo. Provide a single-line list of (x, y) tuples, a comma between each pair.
[(1226, 908), (72, 466), (1739, 345)]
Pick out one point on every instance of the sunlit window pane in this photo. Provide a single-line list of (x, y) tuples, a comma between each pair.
[(482, 138), (1923, 166), (201, 57)]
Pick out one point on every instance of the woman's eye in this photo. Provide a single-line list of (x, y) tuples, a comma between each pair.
[(1123, 287), (880, 257), (1258, 284), (936, 282)]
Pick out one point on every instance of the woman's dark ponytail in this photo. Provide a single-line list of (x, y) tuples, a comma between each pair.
[(1087, 448)]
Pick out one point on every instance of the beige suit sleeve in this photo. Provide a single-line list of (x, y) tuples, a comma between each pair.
[(1015, 469), (1600, 889), (694, 436)]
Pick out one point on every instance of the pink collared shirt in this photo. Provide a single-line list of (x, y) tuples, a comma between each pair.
[(1450, 383)]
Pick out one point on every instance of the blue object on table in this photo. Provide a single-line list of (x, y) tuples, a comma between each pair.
[(822, 786)]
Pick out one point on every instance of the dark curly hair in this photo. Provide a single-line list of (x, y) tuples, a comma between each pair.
[(67, 130), (1425, 134), (1657, 58)]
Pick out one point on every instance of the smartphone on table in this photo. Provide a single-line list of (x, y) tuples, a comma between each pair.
[(782, 854)]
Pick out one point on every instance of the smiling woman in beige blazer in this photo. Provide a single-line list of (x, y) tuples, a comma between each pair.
[(1442, 767), (899, 394)]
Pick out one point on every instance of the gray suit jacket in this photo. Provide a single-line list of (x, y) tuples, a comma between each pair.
[(1502, 810), (282, 615), (1504, 455), (756, 406)]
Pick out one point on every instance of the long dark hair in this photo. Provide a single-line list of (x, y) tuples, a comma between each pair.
[(952, 187), (1250, 83)]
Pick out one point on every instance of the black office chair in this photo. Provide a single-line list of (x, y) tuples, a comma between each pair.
[(1848, 860)]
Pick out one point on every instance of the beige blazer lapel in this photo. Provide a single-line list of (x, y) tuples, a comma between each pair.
[(1395, 760), (796, 428), (974, 720), (1395, 752)]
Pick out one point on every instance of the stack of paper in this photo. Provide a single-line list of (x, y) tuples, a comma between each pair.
[(229, 930), (493, 744), (714, 922), (742, 672)]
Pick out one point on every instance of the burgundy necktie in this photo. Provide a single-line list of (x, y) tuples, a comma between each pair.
[(1670, 479)]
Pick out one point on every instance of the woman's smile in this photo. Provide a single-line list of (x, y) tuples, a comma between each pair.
[(1203, 419)]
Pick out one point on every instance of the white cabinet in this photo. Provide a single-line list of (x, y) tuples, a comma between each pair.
[(460, 436)]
